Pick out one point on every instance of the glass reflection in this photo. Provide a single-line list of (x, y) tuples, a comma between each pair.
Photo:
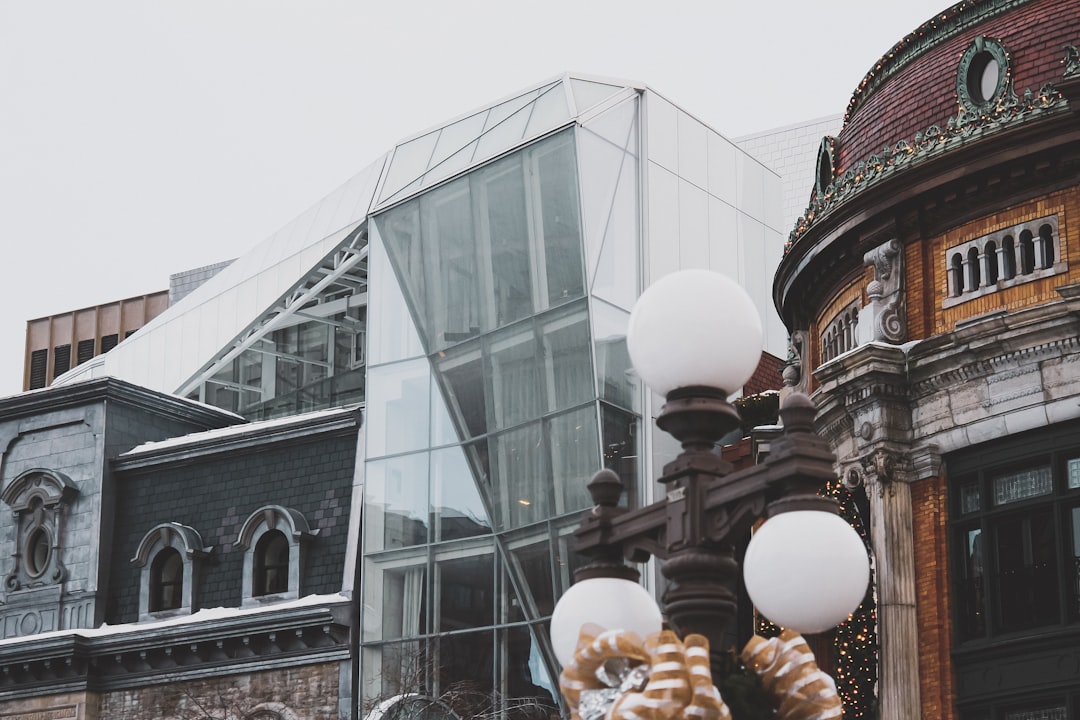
[(397, 408), (572, 442), (467, 663), (456, 508), (522, 491), (523, 675), (621, 448), (617, 381), (396, 506), (395, 597), (530, 562)]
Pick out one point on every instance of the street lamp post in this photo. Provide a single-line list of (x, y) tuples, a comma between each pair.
[(694, 335)]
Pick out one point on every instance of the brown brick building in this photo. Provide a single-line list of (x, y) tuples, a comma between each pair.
[(932, 289)]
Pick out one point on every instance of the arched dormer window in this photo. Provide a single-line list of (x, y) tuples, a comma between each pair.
[(170, 556), (38, 498), (273, 538)]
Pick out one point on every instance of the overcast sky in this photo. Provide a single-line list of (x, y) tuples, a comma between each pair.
[(142, 138)]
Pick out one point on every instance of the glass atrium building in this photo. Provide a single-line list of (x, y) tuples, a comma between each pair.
[(472, 288)]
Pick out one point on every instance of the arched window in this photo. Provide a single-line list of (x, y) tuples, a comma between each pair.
[(166, 580), (974, 278), (1027, 253), (170, 556), (1046, 237), (990, 253), (956, 269), (272, 538), (1008, 258), (271, 564)]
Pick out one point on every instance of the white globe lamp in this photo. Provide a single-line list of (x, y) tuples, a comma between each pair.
[(611, 603), (694, 328), (806, 570)]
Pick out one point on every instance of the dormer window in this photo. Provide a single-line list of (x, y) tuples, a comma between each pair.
[(38, 498), (171, 557), (273, 538)]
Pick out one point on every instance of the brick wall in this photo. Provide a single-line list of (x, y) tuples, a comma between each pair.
[(930, 528), (924, 92), (308, 692), (1066, 204)]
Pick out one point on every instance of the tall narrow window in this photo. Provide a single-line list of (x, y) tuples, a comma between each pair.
[(956, 268), (166, 580), (1046, 239), (991, 255), (1027, 253), (271, 564), (84, 351), (61, 360), (974, 277), (1008, 258), (39, 368)]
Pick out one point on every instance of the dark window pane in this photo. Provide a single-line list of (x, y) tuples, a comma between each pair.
[(973, 599), (271, 564), (61, 360), (166, 580), (84, 351), (1027, 571), (466, 662), (466, 592), (108, 342), (531, 564)]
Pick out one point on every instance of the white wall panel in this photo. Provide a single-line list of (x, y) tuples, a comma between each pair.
[(693, 151), (662, 246), (723, 173), (663, 136), (751, 187), (693, 226), (725, 251)]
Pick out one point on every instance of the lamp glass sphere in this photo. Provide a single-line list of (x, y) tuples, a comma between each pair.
[(694, 328), (611, 603), (806, 570)]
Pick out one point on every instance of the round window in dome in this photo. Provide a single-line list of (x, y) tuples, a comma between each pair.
[(983, 74)]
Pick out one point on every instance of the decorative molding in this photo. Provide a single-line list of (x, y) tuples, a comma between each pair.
[(1071, 62), (933, 32), (981, 47), (886, 293), (967, 126), (794, 374)]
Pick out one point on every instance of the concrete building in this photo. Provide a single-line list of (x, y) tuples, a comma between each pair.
[(932, 288), (470, 292)]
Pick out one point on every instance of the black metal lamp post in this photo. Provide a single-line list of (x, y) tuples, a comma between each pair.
[(806, 568)]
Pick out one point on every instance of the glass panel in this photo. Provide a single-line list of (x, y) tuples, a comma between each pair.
[(466, 665), (395, 668), (1027, 570), (616, 277), (588, 93), (453, 280), (1058, 712), (526, 683), (568, 367), (456, 162), (559, 218), (549, 110), (410, 161), (969, 497), (617, 380), (456, 507), (1074, 473), (522, 488), (503, 135), (443, 430), (500, 112), (1022, 485), (568, 560), (530, 563), (400, 228), (396, 506), (462, 373), (466, 592), (516, 392), (454, 137), (973, 599), (398, 412), (572, 439), (505, 225), (621, 448), (395, 596), (599, 165)]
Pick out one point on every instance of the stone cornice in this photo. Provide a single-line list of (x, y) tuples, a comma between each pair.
[(137, 657), (110, 389), (242, 438)]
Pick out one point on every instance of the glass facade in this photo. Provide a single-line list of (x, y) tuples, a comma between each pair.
[(498, 385)]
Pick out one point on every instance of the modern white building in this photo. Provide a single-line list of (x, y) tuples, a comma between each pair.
[(472, 288)]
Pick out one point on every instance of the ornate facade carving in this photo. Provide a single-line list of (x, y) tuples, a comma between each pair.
[(886, 292)]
